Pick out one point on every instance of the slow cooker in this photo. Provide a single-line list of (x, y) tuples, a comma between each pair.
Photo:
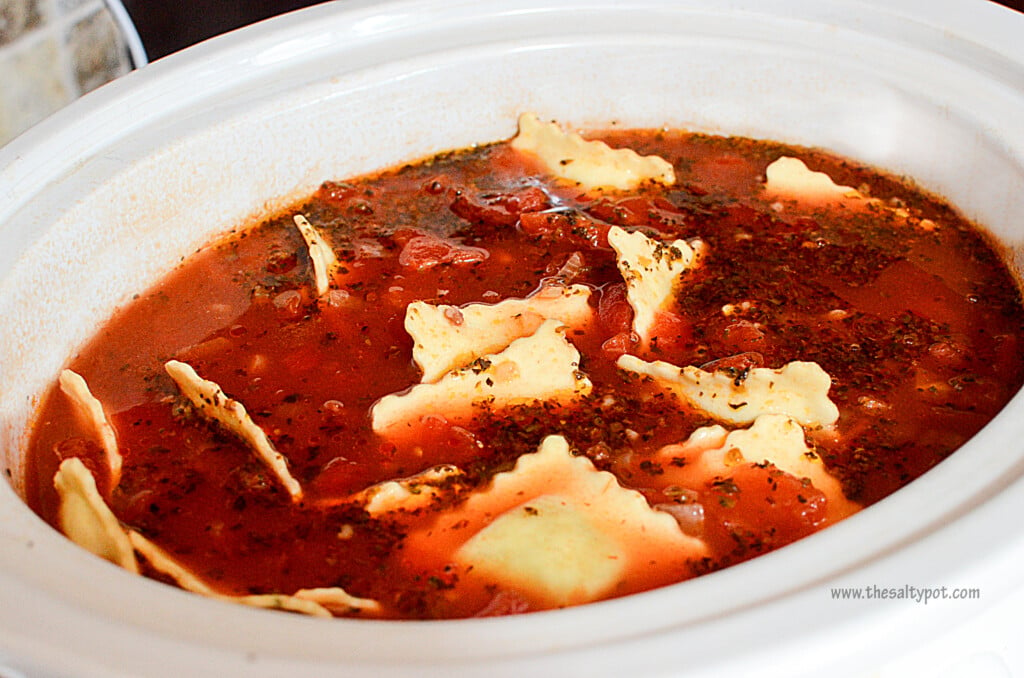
[(102, 198)]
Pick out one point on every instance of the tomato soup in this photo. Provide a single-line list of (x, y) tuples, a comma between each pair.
[(429, 493)]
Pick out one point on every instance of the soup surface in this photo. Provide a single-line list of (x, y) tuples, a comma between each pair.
[(514, 389)]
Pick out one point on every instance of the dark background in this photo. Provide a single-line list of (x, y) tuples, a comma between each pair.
[(166, 26)]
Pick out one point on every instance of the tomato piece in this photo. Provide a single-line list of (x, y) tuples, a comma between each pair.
[(670, 332), (499, 209), (570, 227), (635, 211), (626, 212), (742, 336), (281, 261), (531, 199), (575, 265), (426, 251), (613, 309), (539, 223), (289, 305)]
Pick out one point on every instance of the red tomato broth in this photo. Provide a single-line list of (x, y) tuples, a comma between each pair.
[(917, 327)]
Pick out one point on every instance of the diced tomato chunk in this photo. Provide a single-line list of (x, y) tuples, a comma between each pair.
[(569, 227), (613, 309), (626, 212), (425, 251), (531, 199), (500, 209), (539, 223), (669, 332), (741, 336)]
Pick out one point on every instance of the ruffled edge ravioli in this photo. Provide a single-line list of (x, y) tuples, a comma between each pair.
[(558, 531), (87, 520), (589, 164), (554, 529)]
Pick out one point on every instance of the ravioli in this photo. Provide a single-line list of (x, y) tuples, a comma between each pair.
[(798, 390), (338, 600), (211, 401), (557, 530), (85, 517), (448, 337), (165, 564), (651, 270), (791, 178), (541, 366), (314, 602), (712, 452), (550, 549), (278, 601), (76, 388), (409, 494), (591, 164), (321, 256)]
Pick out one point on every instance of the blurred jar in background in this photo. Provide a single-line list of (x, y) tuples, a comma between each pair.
[(53, 51)]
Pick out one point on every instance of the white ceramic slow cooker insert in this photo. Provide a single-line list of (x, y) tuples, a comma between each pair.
[(98, 201)]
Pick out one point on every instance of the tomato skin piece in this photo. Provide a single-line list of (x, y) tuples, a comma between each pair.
[(636, 211), (89, 453), (504, 603)]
